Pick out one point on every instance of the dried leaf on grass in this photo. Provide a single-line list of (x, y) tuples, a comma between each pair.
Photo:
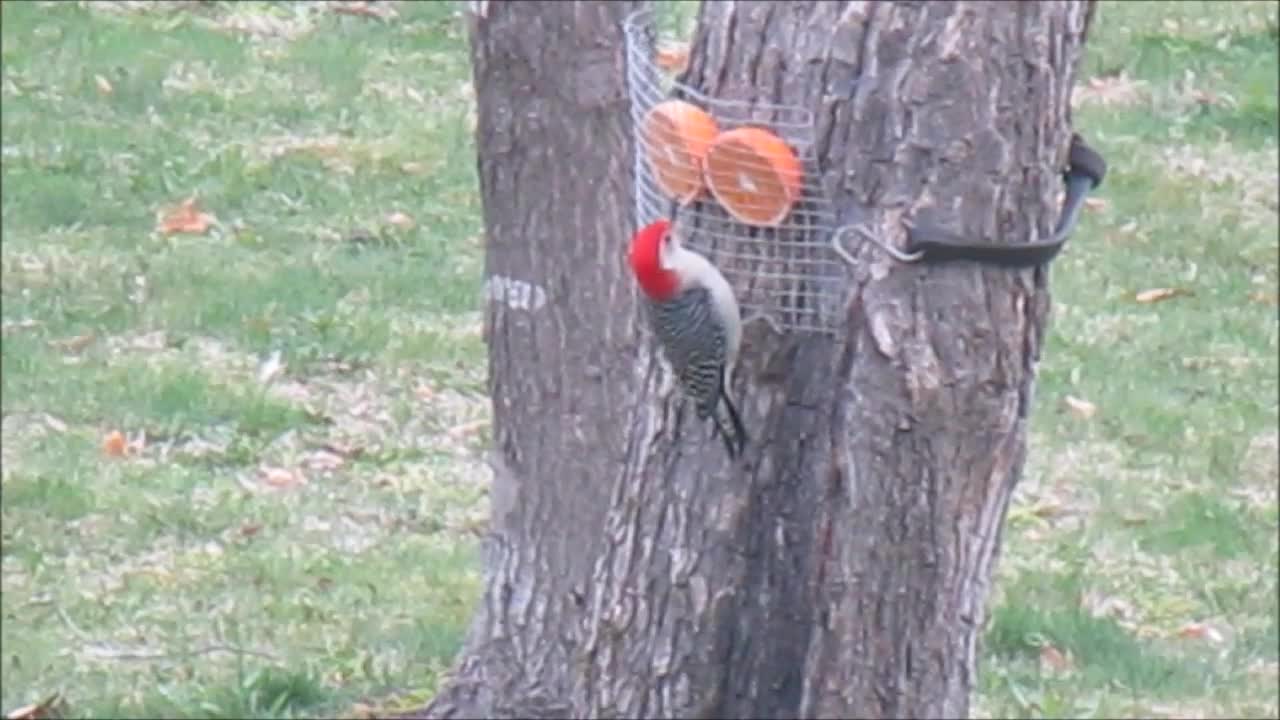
[(1205, 98), (23, 324), (401, 220), (154, 341), (423, 391), (186, 217), (380, 11), (74, 344), (103, 85), (48, 709), (1158, 294), (1116, 607), (324, 461), (282, 22), (1110, 90), (345, 450), (281, 478), (114, 444), (117, 444), (1201, 631), (467, 428), (1082, 409), (1054, 660)]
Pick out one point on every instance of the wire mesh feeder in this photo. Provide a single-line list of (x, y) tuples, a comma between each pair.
[(740, 182)]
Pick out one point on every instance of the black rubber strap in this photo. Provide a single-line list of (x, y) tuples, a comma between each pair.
[(1085, 171)]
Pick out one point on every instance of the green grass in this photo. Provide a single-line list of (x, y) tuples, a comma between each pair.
[(179, 581), (1136, 529)]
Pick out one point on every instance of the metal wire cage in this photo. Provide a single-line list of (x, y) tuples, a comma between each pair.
[(777, 254)]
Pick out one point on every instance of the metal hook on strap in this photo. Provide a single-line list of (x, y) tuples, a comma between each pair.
[(893, 252)]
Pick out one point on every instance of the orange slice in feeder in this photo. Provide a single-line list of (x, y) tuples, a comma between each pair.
[(754, 175), (676, 135)]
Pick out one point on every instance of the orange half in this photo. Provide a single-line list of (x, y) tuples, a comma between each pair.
[(754, 174), (676, 135)]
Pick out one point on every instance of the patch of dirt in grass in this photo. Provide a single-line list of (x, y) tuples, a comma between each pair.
[(53, 263), (1118, 90), (1054, 494), (362, 413), (338, 154), (101, 582), (21, 432), (197, 76), (132, 7), (1058, 506), (1251, 174), (189, 77), (1260, 471), (282, 21)]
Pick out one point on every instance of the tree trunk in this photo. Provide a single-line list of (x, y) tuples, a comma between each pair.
[(554, 140), (841, 569)]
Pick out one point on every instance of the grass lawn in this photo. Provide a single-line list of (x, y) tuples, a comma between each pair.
[(241, 468)]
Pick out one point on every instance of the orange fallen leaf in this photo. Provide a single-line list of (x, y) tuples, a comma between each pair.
[(1109, 90), (185, 218), (114, 444), (1205, 97), (1095, 203), (1158, 294), (1053, 659), (673, 57), (282, 478), (1200, 631), (1082, 409), (104, 85)]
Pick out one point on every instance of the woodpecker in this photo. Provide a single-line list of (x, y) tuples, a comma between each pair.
[(695, 316)]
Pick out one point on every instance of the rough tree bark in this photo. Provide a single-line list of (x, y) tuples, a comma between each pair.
[(841, 569), (555, 178)]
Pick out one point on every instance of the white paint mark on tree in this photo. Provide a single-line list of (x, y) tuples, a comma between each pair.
[(516, 294)]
